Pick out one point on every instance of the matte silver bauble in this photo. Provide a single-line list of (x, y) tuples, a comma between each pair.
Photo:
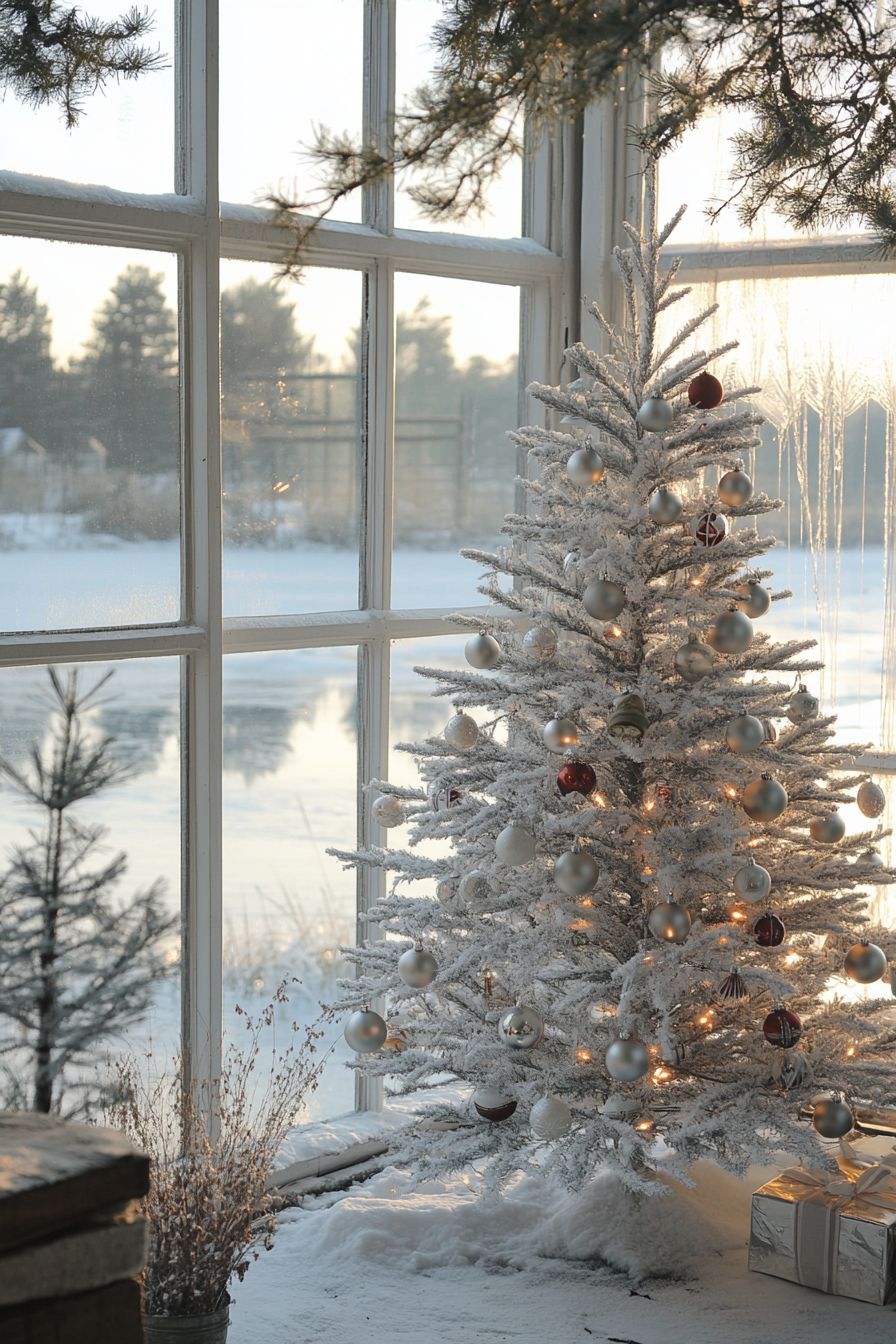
[(665, 506), (603, 599), (735, 488), (744, 733), (540, 641), (559, 735), (731, 632), (626, 1060), (655, 415), (803, 706), (493, 1105), (865, 963), (670, 922), (571, 570), (387, 812), (828, 830), (585, 467), (515, 845), (764, 799), (461, 732), (482, 651), (446, 891), (871, 799), (576, 872), (873, 858), (694, 660), (752, 882), (417, 968), (474, 886), (365, 1031), (710, 529), (550, 1118), (833, 1119), (754, 599), (521, 1028)]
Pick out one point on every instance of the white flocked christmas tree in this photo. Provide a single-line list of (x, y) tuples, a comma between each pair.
[(642, 940)]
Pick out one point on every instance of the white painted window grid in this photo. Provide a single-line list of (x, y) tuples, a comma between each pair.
[(578, 186)]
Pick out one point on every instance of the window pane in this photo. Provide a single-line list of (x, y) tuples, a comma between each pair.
[(290, 770), (414, 59), (292, 67), (456, 377), (292, 440), (125, 136), (139, 817), (89, 436)]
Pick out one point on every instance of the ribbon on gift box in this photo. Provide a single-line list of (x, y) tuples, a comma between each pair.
[(816, 1228)]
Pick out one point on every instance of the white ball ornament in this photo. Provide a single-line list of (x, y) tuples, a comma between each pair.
[(461, 732), (730, 633), (865, 962), (550, 1118), (387, 812), (417, 968), (752, 882), (482, 651), (665, 506), (365, 1031), (521, 1028), (655, 415), (744, 734), (585, 467), (754, 600), (559, 735), (515, 845), (827, 830), (803, 706), (735, 488), (626, 1060), (603, 599), (576, 872), (541, 641), (871, 799)]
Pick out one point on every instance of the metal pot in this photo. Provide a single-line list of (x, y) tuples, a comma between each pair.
[(208, 1329)]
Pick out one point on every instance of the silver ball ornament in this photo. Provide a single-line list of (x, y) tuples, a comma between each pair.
[(387, 812), (803, 706), (744, 734), (871, 799), (764, 799), (585, 467), (474, 886), (873, 858), (752, 882), (626, 1060), (771, 732), (694, 660), (515, 845), (669, 922), (521, 1028), (828, 830), (865, 962), (735, 488), (618, 1106), (731, 633), (365, 1031), (461, 732), (446, 891), (559, 735), (833, 1119), (417, 968), (665, 506), (482, 651), (603, 599), (576, 872), (541, 641), (571, 569), (754, 600), (493, 1105), (655, 415), (550, 1118)]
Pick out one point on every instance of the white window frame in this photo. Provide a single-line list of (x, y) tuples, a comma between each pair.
[(578, 186)]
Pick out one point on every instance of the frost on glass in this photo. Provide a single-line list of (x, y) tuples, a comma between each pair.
[(456, 382), (293, 451), (125, 135), (89, 436), (290, 770)]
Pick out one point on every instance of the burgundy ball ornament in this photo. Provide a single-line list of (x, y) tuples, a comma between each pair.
[(871, 799), (764, 799), (665, 506), (754, 600), (603, 599), (493, 1105), (735, 489), (482, 651), (576, 872), (730, 633), (710, 529), (694, 660), (669, 922), (744, 733), (576, 777), (733, 988), (769, 930), (417, 968), (832, 1118), (626, 1060), (752, 882), (559, 735), (705, 392), (865, 962), (827, 830), (365, 1031), (803, 706), (655, 415), (585, 467), (521, 1028), (782, 1027), (444, 799)]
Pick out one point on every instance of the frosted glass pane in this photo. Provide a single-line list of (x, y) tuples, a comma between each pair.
[(456, 377), (125, 137), (414, 58), (287, 67), (293, 450), (290, 753), (89, 436)]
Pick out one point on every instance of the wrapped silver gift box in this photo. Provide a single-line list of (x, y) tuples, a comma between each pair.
[(821, 1232)]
